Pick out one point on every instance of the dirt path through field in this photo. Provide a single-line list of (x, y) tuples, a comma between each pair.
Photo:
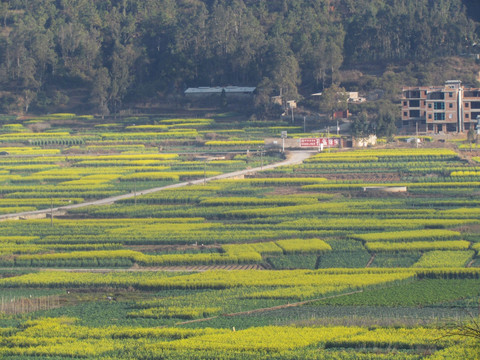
[(293, 158), (374, 255), (278, 307)]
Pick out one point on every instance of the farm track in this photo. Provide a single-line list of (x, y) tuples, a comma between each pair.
[(273, 308), (293, 158), (374, 255), (369, 178)]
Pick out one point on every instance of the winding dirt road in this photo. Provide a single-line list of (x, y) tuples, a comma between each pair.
[(293, 158)]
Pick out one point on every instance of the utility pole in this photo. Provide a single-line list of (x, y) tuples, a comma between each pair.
[(291, 104), (304, 124), (284, 135)]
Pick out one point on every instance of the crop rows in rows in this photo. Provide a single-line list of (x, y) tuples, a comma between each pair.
[(279, 222), (65, 337)]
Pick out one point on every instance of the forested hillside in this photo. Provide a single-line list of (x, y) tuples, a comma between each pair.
[(109, 52)]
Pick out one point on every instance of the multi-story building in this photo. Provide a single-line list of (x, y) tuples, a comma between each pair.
[(440, 109)]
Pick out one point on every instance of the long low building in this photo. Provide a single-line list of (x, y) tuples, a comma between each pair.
[(230, 91), (440, 109)]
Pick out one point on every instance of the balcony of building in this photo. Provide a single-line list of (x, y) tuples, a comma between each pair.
[(414, 114), (414, 103)]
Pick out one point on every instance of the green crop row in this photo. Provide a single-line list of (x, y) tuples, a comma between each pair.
[(127, 157), (409, 185), (390, 153), (158, 164), (152, 136), (55, 194), (472, 173), (417, 246), (371, 224), (39, 202), (38, 159), (234, 142), (412, 293), (180, 312), (412, 235), (391, 166), (20, 137), (187, 120), (175, 176), (255, 201), (66, 141), (273, 181), (469, 146)]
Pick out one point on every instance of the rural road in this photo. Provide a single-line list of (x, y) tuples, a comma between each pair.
[(293, 157)]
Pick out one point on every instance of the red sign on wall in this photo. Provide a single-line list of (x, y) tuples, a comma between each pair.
[(317, 142), (312, 142)]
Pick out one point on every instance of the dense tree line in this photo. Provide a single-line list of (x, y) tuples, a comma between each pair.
[(121, 50)]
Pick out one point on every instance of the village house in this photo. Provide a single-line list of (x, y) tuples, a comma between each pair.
[(451, 108)]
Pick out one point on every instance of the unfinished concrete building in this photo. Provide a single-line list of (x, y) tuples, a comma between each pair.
[(451, 108)]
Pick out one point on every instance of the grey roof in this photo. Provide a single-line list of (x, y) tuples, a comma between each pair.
[(219, 89)]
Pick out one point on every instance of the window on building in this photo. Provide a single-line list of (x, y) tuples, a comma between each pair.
[(414, 113), (450, 105), (439, 116), (467, 116), (412, 94), (430, 116), (424, 103), (467, 105), (439, 105), (450, 116), (429, 106), (404, 103), (437, 95), (475, 105), (450, 94), (405, 114)]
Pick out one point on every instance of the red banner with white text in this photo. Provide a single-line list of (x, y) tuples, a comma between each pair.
[(317, 142)]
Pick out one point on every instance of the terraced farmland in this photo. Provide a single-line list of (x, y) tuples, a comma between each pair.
[(293, 262)]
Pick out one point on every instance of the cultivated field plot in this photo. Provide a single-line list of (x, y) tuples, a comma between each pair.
[(314, 261), (63, 159)]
